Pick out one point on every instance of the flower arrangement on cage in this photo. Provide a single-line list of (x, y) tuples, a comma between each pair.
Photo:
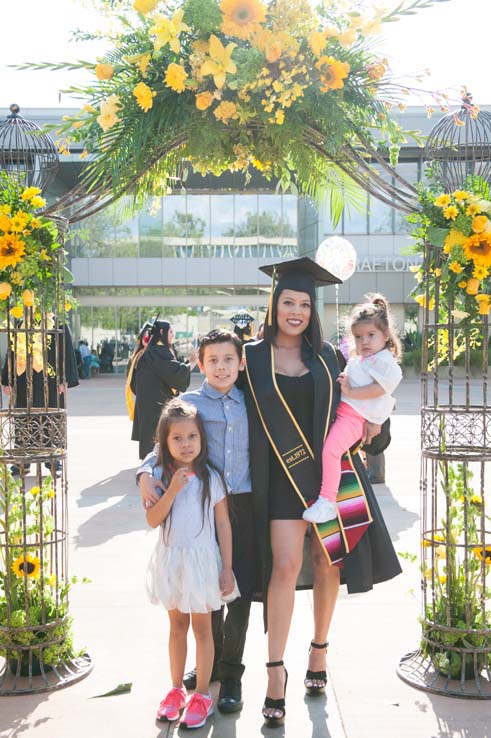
[(458, 573), (33, 594), (457, 228), (30, 276), (279, 86)]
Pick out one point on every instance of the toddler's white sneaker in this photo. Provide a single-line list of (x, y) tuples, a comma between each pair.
[(321, 511)]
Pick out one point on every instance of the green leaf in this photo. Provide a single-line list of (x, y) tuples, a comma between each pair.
[(123, 688), (436, 235)]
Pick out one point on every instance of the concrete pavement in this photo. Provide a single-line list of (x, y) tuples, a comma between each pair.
[(126, 637)]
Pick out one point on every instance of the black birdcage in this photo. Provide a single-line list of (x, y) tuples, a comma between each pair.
[(25, 153), (459, 146)]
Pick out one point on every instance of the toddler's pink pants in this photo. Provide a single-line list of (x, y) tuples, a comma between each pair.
[(346, 430)]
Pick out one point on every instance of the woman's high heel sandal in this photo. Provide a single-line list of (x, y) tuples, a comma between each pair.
[(276, 705), (314, 690)]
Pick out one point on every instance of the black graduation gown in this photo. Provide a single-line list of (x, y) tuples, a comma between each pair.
[(157, 378), (64, 365), (374, 559)]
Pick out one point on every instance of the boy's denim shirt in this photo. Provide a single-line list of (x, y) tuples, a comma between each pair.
[(227, 433)]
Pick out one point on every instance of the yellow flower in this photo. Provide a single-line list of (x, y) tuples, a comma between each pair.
[(438, 537), (451, 212), (225, 111), (28, 298), (5, 209), (317, 42), (442, 201), (5, 290), (480, 272), (484, 305), (38, 202), (16, 278), (4, 223), (108, 118), (144, 96), (219, 62), (421, 300), (35, 223), (442, 578), (455, 267), (51, 580), (35, 490), (476, 500), (143, 63), (18, 222), (483, 553), (242, 18), (454, 238), (460, 195), (30, 192), (438, 272), (441, 552), (12, 250), (84, 154), (175, 77), (462, 284), (43, 255), (167, 31), (17, 312), (333, 73), (472, 286), (145, 6), (89, 108), (104, 71), (479, 223), (478, 248), (279, 117), (204, 100), (68, 306), (26, 565), (50, 493), (348, 38), (376, 71), (472, 209)]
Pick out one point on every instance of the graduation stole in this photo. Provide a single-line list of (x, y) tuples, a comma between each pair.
[(297, 458)]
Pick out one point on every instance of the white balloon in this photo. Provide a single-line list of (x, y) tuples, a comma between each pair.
[(338, 256)]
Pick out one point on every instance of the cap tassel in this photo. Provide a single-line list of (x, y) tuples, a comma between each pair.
[(271, 293)]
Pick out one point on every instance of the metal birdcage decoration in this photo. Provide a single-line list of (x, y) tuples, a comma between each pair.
[(459, 146), (27, 154), (454, 657), (36, 649)]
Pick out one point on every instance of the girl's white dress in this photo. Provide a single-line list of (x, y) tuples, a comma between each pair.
[(184, 569)]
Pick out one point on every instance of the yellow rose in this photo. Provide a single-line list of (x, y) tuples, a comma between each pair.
[(28, 298), (104, 71), (5, 223), (483, 301), (204, 100), (145, 6), (479, 223), (5, 290), (17, 312)]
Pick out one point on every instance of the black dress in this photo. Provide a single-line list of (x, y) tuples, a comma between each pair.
[(157, 378), (284, 503)]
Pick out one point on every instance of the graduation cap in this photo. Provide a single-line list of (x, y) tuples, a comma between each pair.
[(242, 320), (301, 275)]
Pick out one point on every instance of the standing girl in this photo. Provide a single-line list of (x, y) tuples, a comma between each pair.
[(366, 394), (189, 573)]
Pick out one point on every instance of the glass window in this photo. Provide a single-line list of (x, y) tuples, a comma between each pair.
[(175, 225), (410, 171), (380, 216), (222, 225), (270, 226), (150, 227), (125, 231), (246, 225), (198, 225), (355, 221)]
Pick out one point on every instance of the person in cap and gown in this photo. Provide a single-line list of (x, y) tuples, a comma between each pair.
[(243, 326), (129, 390), (291, 394), (157, 378)]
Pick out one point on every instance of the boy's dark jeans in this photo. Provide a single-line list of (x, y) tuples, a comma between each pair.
[(229, 636)]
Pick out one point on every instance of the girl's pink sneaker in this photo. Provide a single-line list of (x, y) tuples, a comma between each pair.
[(198, 709), (172, 704)]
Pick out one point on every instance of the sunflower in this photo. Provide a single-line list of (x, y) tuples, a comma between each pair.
[(333, 73), (26, 565), (483, 553), (242, 18), (12, 249), (478, 248)]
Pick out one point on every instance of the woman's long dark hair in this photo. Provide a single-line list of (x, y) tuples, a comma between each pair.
[(313, 332), (174, 412), (160, 332)]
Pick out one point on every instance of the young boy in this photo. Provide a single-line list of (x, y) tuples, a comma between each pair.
[(222, 408)]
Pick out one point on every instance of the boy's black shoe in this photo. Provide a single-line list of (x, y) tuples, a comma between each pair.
[(230, 696), (189, 680)]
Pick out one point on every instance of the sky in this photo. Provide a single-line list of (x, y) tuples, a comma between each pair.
[(450, 38)]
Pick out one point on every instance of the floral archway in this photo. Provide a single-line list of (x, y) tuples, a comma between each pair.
[(295, 92)]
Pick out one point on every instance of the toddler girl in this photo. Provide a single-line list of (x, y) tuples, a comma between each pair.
[(366, 387), (186, 572)]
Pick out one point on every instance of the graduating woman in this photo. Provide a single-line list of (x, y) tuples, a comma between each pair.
[(292, 395), (157, 377)]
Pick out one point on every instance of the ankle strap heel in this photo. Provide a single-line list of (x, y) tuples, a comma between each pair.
[(320, 677), (277, 705)]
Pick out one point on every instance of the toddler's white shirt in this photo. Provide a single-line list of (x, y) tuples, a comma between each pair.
[(382, 368)]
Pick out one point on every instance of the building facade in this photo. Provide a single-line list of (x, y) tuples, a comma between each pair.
[(192, 257)]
